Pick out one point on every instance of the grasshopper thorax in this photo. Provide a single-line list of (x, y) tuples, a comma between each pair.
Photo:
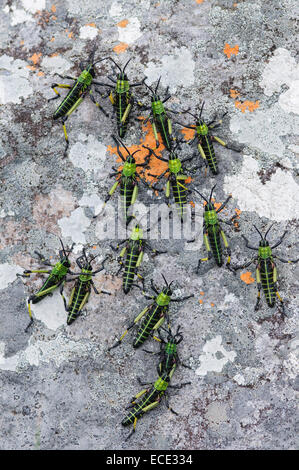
[(210, 215), (86, 274), (87, 75), (174, 164), (61, 268), (157, 105), (201, 127), (129, 167), (171, 347), (163, 298), (122, 83), (137, 233), (162, 383), (264, 249)]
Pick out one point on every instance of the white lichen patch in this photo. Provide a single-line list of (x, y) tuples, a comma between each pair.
[(34, 5), (8, 274), (14, 83), (175, 70), (56, 64), (116, 10), (75, 225), (17, 15), (92, 200), (271, 199), (214, 357), (291, 364), (58, 350), (88, 153), (282, 69), (252, 128), (88, 32), (50, 311), (131, 32), (249, 376)]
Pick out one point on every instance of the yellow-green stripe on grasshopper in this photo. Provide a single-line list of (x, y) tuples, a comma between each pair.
[(266, 270), (56, 277), (153, 316), (127, 179), (77, 92), (121, 97), (133, 253), (205, 138), (82, 288), (150, 397), (213, 232)]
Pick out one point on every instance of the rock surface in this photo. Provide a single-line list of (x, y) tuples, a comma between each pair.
[(60, 388)]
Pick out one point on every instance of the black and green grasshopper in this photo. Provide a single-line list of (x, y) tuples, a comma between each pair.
[(149, 398), (82, 288), (159, 119), (78, 91), (168, 353), (213, 231), (128, 181), (205, 139), (175, 178), (134, 250), (121, 97), (153, 315), (266, 271), (57, 276)]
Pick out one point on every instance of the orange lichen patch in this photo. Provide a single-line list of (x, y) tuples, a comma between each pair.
[(93, 25), (54, 18), (123, 23), (156, 166), (229, 51), (238, 212), (247, 277), (212, 305), (188, 180), (250, 105), (192, 204), (53, 8), (54, 54), (217, 205), (121, 47), (71, 35), (35, 58), (200, 301), (40, 73), (199, 1), (31, 67), (52, 39), (22, 43), (188, 133), (234, 93), (202, 293)]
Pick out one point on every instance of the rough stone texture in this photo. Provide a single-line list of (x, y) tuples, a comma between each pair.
[(60, 388)]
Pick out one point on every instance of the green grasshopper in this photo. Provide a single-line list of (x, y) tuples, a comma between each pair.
[(81, 291), (56, 277), (153, 315), (175, 178), (205, 139), (77, 92), (159, 119), (213, 232), (168, 353), (134, 250), (121, 98), (128, 181), (149, 398), (266, 271)]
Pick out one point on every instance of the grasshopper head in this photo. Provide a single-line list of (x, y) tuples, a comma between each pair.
[(137, 233)]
